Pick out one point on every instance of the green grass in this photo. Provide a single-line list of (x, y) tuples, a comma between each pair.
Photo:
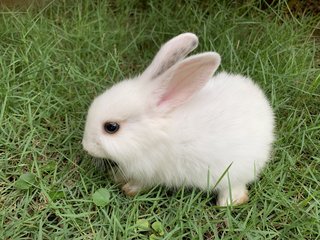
[(55, 60)]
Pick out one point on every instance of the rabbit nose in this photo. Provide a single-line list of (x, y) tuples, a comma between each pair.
[(92, 148), (87, 148), (85, 145)]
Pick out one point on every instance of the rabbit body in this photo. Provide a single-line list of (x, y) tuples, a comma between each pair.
[(215, 133)]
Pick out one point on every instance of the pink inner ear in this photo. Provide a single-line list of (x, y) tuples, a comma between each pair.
[(187, 80), (169, 96), (164, 99)]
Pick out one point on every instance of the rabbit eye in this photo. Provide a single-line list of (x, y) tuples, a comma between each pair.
[(111, 127)]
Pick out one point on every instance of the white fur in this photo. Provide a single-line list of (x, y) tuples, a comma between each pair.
[(184, 129)]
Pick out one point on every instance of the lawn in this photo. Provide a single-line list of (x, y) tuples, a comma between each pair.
[(55, 59)]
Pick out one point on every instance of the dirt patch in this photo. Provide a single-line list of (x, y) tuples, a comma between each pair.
[(303, 7)]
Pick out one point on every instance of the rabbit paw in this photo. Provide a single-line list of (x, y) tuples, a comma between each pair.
[(238, 197), (131, 189)]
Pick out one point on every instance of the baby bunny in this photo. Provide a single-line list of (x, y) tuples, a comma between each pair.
[(176, 125)]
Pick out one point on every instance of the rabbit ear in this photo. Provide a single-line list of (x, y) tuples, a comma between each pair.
[(170, 53), (183, 80)]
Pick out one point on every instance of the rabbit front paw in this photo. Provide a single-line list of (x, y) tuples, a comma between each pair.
[(236, 196), (131, 189)]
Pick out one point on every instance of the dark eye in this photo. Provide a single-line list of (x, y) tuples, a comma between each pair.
[(111, 127)]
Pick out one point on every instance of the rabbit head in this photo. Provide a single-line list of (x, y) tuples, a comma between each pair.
[(130, 118)]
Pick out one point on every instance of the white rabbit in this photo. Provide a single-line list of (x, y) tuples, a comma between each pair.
[(177, 125)]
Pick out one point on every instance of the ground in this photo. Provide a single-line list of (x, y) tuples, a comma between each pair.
[(57, 57)]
